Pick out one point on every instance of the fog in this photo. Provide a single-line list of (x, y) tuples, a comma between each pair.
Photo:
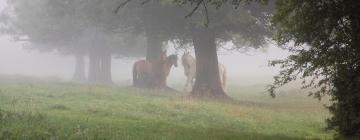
[(243, 68)]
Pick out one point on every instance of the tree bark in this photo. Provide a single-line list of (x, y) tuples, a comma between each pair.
[(94, 66), (100, 66), (153, 55), (105, 67), (154, 48), (207, 82), (99, 58), (79, 74), (154, 45)]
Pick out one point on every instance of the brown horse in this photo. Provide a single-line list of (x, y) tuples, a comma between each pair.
[(170, 61), (142, 70), (147, 74)]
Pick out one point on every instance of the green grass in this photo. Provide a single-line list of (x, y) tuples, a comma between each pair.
[(55, 110)]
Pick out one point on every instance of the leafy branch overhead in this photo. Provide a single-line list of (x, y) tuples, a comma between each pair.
[(196, 4)]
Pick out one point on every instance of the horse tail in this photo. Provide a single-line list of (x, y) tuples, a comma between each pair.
[(135, 75)]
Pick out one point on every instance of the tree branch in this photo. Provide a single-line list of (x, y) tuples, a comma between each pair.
[(121, 5), (206, 15), (193, 10)]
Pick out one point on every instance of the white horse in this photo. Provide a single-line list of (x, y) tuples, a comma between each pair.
[(189, 64)]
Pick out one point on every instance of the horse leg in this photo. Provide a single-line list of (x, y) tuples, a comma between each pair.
[(223, 76), (192, 80), (186, 84), (135, 79)]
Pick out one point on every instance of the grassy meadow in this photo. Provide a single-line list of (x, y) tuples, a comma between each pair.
[(41, 109)]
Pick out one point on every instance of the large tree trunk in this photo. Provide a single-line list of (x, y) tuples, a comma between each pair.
[(100, 66), (100, 59), (153, 55), (154, 46), (79, 74), (105, 67), (207, 82), (94, 66)]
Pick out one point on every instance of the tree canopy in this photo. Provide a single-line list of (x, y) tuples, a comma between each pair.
[(73, 27)]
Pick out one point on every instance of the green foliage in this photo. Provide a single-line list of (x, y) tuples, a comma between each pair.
[(36, 111), (346, 107), (324, 37)]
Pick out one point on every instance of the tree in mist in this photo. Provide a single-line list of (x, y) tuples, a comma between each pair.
[(211, 26), (73, 27), (48, 27), (244, 26), (326, 38), (107, 35), (159, 22), (99, 22)]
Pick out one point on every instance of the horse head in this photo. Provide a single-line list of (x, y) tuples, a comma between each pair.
[(173, 59), (186, 52)]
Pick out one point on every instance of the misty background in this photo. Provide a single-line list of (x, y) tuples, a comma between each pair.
[(242, 68)]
